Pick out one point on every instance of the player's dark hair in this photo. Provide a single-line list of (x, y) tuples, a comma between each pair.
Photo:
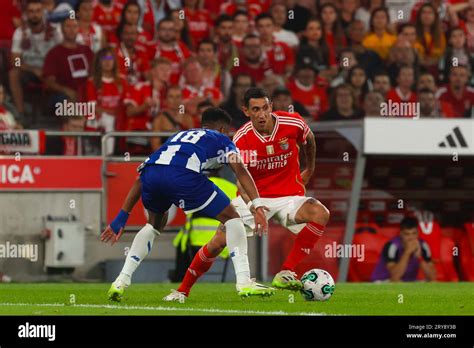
[(254, 93), (222, 18), (408, 223), (214, 116)]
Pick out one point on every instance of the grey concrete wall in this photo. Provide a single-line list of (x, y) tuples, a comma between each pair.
[(21, 223)]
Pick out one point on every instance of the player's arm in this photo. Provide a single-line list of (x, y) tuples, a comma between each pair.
[(114, 231), (247, 183), (309, 149), (242, 192), (426, 264)]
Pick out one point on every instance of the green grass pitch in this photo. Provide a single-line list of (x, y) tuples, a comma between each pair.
[(221, 299)]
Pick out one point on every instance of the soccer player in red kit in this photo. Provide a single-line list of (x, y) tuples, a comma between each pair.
[(269, 145)]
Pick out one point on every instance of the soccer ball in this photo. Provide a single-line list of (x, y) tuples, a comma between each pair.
[(318, 285)]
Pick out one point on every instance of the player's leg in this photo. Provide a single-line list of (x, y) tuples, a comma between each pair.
[(315, 216), (201, 263), (141, 247), (236, 240), (156, 202)]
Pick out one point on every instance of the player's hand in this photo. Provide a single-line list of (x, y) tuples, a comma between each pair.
[(261, 223), (412, 246), (114, 231), (110, 235), (417, 252), (306, 175)]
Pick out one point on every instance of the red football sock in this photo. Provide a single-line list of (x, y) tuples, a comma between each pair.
[(202, 261), (304, 243)]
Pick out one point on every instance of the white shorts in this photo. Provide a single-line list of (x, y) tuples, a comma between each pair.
[(282, 210)]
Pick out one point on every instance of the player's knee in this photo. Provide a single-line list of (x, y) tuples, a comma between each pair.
[(319, 213)]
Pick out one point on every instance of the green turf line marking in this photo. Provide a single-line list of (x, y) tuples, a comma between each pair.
[(164, 309)]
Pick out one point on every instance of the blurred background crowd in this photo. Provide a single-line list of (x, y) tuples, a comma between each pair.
[(157, 64)]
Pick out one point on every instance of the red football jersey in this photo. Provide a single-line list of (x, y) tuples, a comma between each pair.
[(136, 96), (314, 98), (107, 17), (273, 161), (199, 24), (133, 67), (459, 107), (280, 56), (395, 96), (211, 93), (176, 55)]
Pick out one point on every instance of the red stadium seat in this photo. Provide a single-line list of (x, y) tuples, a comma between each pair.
[(373, 245), (466, 258), (445, 269)]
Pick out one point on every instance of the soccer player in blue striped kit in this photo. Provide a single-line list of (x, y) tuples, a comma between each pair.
[(173, 175)]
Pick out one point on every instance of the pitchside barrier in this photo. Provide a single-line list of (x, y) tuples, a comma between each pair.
[(369, 173)]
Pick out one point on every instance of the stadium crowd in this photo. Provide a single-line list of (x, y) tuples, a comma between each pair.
[(156, 64)]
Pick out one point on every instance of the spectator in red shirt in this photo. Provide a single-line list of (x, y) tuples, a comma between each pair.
[(332, 29), (169, 47), (145, 99), (305, 91), (133, 57), (279, 54), (182, 28), (194, 91), (107, 15), (241, 27), (143, 103), (282, 101), (343, 105), (457, 93), (90, 34), (172, 118), (67, 65), (252, 60), (107, 89), (131, 16), (403, 92), (198, 20), (30, 44), (227, 50), (213, 75)]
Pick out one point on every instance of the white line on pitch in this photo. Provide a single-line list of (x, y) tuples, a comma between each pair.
[(161, 308)]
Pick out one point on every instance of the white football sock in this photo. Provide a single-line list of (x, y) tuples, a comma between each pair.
[(141, 247), (236, 239)]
